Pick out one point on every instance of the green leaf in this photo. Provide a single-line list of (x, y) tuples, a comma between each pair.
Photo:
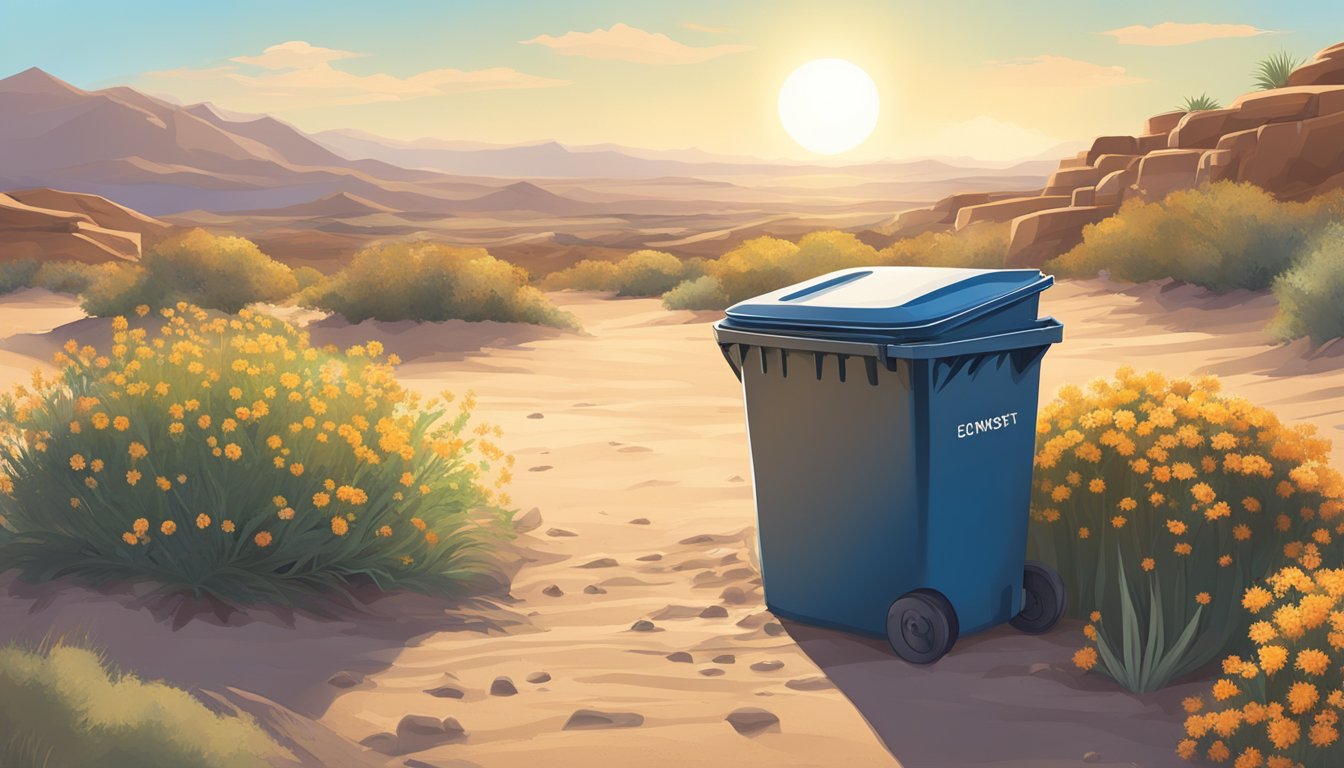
[(1129, 625), (1162, 674)]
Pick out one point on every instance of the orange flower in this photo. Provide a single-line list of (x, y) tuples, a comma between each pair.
[(1147, 564), (1118, 521), (339, 526), (1203, 598), (262, 539), (227, 526), (1085, 658), (202, 521), (168, 528)]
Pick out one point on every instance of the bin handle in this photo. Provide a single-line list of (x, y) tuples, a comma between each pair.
[(727, 355), (1047, 331)]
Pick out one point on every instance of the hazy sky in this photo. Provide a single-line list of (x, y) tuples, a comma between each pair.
[(987, 79)]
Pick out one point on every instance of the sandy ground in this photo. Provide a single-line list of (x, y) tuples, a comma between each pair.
[(631, 444)]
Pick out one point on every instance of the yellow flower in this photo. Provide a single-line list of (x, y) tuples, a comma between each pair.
[(1225, 560), (1182, 548), (1256, 599), (1218, 752), (140, 526), (163, 483), (100, 420), (202, 521), (1312, 661), (1203, 598), (262, 539), (1203, 493), (385, 531), (274, 442), (1095, 616), (431, 538), (1251, 504), (407, 479), (1302, 697), (418, 523), (129, 538), (1225, 689), (121, 423), (137, 451), (1127, 504), (1183, 471), (296, 469), (339, 526), (1085, 658), (1061, 493), (1192, 704), (1241, 532), (1084, 533), (204, 421), (168, 528), (233, 452), (96, 465), (1176, 527), (227, 526), (1147, 564), (1096, 485), (1118, 521), (132, 477), (321, 500), (176, 428), (1262, 632), (77, 462), (1186, 749), (1272, 658), (1090, 632)]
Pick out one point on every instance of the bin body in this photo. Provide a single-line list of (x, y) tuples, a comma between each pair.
[(881, 467)]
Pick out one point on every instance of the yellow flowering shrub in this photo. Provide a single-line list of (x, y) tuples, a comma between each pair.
[(1280, 705), (1160, 500), (226, 456)]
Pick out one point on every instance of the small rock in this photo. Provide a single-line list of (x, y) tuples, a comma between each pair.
[(703, 538), (540, 468), (643, 625), (650, 558), (536, 415), (613, 442), (584, 405), (416, 733), (528, 521), (383, 743), (1092, 757), (774, 629), (680, 656), (592, 718), (538, 678), (750, 721), (445, 692), (815, 683), (559, 532), (769, 665), (640, 521), (553, 591), (345, 680), (734, 596), (754, 620), (601, 562), (711, 672), (726, 658), (736, 479), (503, 686), (714, 612), (1039, 668), (593, 589)]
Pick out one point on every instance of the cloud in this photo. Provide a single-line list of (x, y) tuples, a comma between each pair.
[(1176, 33), (1056, 72), (296, 75), (626, 43), (691, 25)]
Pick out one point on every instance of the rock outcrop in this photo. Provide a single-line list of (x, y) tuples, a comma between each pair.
[(52, 225), (1288, 140)]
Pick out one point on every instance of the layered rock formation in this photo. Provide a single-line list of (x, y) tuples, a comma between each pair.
[(52, 225), (1288, 140)]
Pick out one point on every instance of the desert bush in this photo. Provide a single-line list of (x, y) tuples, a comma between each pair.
[(1311, 293), (69, 276), (61, 706), (1279, 707), (1160, 500), (430, 283), (17, 275), (1198, 103), (585, 275), (979, 246), (1273, 71), (206, 270), (1222, 237), (307, 277), (765, 264), (642, 273), (704, 292), (226, 457)]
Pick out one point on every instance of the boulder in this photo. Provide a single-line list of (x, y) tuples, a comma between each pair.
[(1166, 171), (1293, 159), (1112, 145), (1151, 142), (1109, 163), (99, 210), (1064, 181), (1214, 165), (1037, 237), (1201, 129), (1072, 162), (1111, 189), (1276, 105), (1007, 210), (1328, 71), (1164, 123), (1083, 196)]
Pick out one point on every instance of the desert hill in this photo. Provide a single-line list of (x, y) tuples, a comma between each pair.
[(53, 225)]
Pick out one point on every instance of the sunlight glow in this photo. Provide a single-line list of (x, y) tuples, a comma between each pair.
[(829, 106)]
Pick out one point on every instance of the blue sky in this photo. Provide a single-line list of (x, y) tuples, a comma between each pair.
[(990, 78)]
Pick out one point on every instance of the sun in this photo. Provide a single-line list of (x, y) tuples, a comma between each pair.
[(829, 106)]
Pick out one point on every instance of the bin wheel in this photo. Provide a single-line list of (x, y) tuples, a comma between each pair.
[(1043, 599), (922, 626)]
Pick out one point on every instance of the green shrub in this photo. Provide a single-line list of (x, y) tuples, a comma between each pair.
[(704, 292), (1199, 103), (979, 246), (307, 277), (1273, 71), (68, 276), (63, 707), (1221, 237), (1161, 501), (642, 273), (586, 275), (17, 275), (430, 283), (1311, 294), (226, 457), (206, 270)]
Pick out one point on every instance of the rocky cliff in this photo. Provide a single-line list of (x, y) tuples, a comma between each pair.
[(52, 225), (1288, 140)]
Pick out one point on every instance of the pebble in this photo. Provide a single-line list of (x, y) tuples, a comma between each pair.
[(680, 656), (714, 612), (726, 658), (536, 416), (735, 479), (592, 718), (815, 683), (416, 733), (703, 538), (601, 562), (345, 680), (774, 629), (553, 591), (650, 558), (640, 521), (643, 625), (754, 620), (769, 665), (558, 532), (445, 692), (503, 686), (711, 672), (750, 721), (528, 521), (1092, 757), (540, 468), (734, 596), (593, 589), (539, 677)]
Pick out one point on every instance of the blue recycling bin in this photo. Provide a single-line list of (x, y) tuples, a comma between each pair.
[(891, 414)]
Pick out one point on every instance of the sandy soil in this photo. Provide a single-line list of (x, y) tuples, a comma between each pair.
[(631, 444)]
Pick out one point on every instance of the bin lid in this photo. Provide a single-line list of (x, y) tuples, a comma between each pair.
[(896, 302)]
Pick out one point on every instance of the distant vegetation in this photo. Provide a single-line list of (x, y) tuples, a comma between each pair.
[(1273, 71), (429, 282), (642, 273), (1311, 292), (57, 276), (62, 706), (1199, 103)]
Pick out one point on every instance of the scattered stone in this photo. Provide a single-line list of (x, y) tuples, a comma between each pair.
[(740, 573), (538, 678), (634, 449), (536, 415), (528, 521), (345, 680), (445, 692), (734, 596), (503, 686), (705, 578), (750, 721), (540, 468), (673, 612), (769, 665), (553, 591), (755, 620), (681, 657), (774, 629), (601, 562), (643, 625), (640, 521), (1092, 757), (593, 589), (726, 658), (736, 479), (714, 612), (560, 532), (592, 718), (703, 538), (416, 733), (384, 743), (711, 672), (815, 683), (650, 558)]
